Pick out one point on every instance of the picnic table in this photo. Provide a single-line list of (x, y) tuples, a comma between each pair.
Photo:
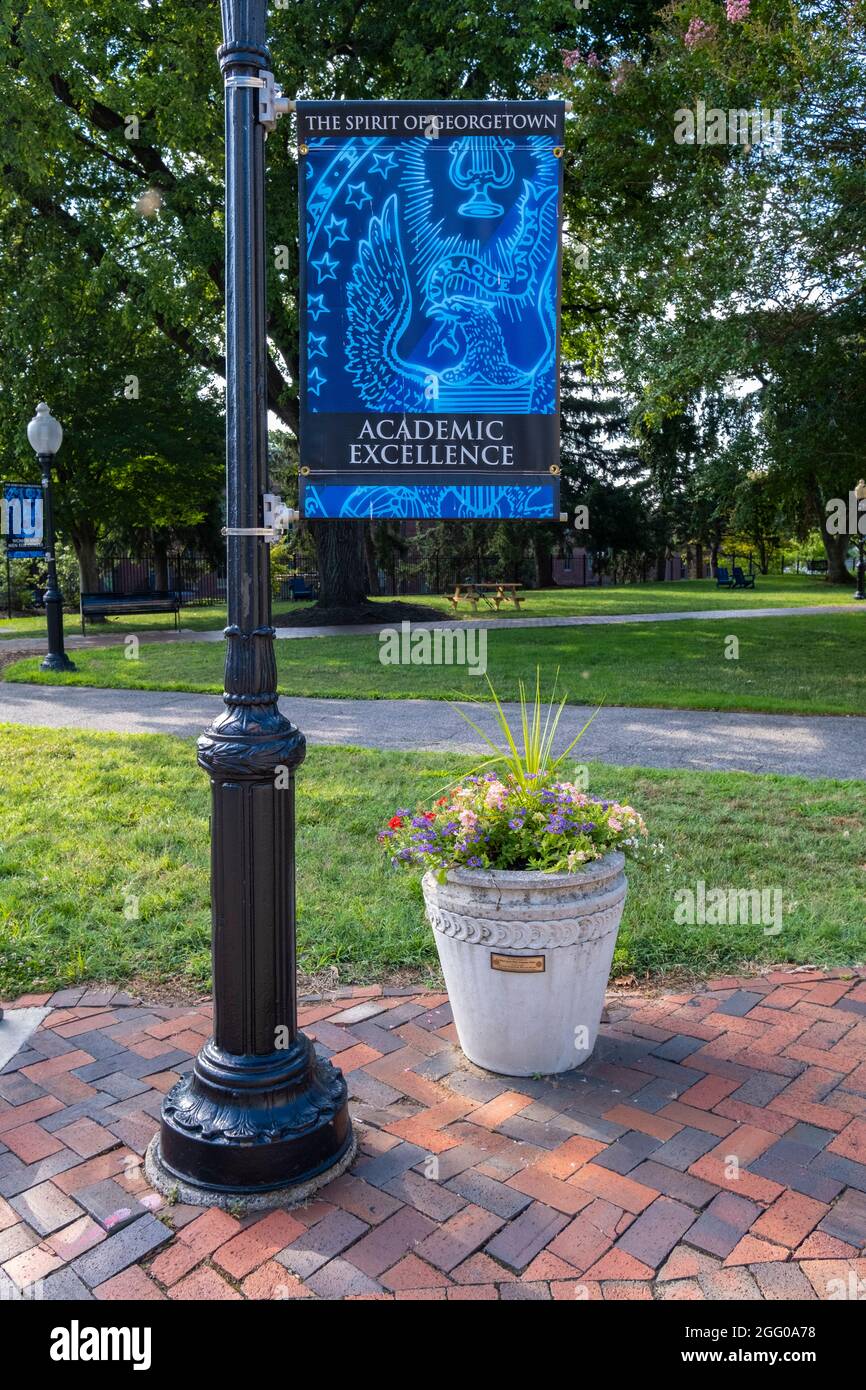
[(492, 594)]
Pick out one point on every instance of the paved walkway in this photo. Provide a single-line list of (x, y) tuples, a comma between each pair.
[(34, 645), (814, 746), (611, 1182)]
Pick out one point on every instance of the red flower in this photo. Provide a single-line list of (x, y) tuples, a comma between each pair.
[(395, 823), (429, 815), (443, 801)]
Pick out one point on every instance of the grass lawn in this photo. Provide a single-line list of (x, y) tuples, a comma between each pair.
[(205, 618), (807, 664), (772, 591), (104, 863)]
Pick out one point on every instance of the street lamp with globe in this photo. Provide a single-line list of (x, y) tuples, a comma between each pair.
[(46, 435)]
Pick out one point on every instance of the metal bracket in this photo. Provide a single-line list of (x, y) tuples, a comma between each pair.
[(272, 103), (277, 518)]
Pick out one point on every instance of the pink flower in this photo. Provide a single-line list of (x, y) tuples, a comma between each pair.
[(698, 32), (593, 60), (571, 57), (737, 10)]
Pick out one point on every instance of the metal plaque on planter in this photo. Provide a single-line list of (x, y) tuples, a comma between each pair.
[(429, 312)]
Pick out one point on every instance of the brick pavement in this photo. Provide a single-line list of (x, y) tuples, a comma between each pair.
[(713, 1148)]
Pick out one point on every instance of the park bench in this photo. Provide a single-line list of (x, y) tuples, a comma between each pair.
[(108, 605), (743, 581), (473, 594), (723, 579)]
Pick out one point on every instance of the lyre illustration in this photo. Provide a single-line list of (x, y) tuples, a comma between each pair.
[(479, 163)]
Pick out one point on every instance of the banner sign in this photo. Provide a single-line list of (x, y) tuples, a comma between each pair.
[(430, 289), (21, 521)]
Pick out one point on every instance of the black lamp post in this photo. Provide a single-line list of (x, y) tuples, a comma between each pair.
[(860, 539), (46, 435), (260, 1114)]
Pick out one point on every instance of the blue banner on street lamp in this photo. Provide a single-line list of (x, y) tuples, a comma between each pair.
[(430, 293), (21, 520)]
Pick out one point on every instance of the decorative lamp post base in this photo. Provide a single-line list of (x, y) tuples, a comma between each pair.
[(55, 661), (263, 1130)]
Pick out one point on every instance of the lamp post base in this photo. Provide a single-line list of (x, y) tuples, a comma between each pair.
[(263, 1130), (57, 661)]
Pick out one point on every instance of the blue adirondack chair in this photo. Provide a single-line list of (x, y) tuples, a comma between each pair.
[(299, 588), (723, 579), (743, 581)]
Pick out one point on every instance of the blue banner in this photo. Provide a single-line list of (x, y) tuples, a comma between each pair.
[(21, 518), (430, 290)]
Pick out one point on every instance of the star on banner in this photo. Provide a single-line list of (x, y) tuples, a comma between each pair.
[(336, 229), (326, 268), (361, 196), (316, 345), (316, 306), (382, 164), (315, 381)]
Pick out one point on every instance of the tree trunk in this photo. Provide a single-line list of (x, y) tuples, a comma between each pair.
[(543, 557), (160, 568), (836, 550), (370, 559), (342, 564), (699, 560), (88, 567), (661, 566)]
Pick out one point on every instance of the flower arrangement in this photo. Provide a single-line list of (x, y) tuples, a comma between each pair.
[(489, 821), (525, 815)]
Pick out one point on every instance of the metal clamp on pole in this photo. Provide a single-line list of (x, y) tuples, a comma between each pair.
[(272, 103), (277, 517)]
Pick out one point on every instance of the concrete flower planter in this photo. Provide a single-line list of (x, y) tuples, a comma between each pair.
[(526, 958)]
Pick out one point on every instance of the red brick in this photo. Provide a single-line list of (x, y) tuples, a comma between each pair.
[(206, 1286), (18, 1115), (708, 1092), (473, 1293), (209, 1231), (745, 1144), (569, 1157), (682, 1291), (790, 1219), (851, 1143), (53, 1066), (497, 1111), (133, 1286), (562, 1196), (30, 1143), (820, 1246), (579, 1290), (257, 1243), (107, 1165), (657, 1126), (173, 1263), (618, 1264), (744, 1185), (698, 1119), (685, 1263), (480, 1269), (31, 1265), (750, 1251), (273, 1281), (353, 1057), (547, 1266), (623, 1192)]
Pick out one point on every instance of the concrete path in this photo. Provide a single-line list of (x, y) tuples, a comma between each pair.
[(814, 746), (28, 646)]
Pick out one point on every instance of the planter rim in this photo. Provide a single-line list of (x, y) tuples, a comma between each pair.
[(515, 878)]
